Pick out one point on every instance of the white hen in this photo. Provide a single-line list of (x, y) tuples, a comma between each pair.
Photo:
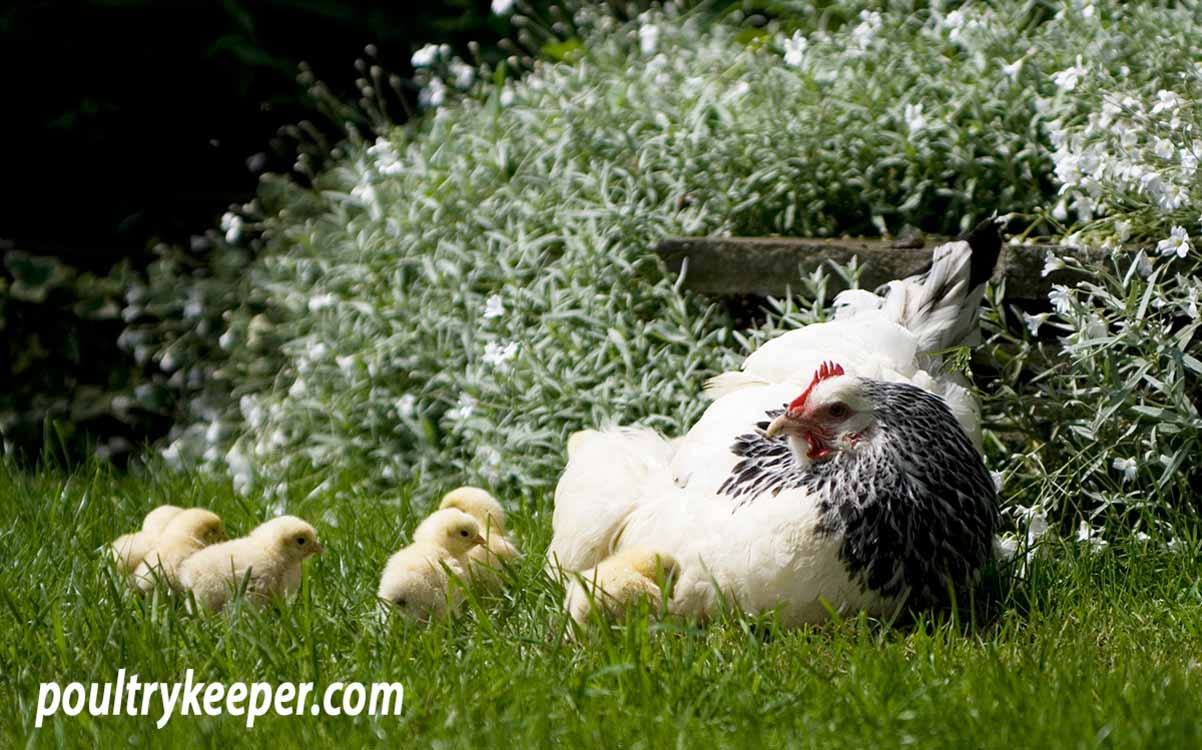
[(837, 470)]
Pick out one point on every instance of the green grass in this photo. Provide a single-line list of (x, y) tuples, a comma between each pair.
[(1092, 650)]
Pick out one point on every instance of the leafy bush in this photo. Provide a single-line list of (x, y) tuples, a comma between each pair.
[(461, 295), (1113, 409), (64, 381)]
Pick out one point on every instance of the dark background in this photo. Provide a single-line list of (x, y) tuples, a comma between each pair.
[(133, 121)]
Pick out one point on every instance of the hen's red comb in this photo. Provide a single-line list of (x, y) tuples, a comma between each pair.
[(825, 370)]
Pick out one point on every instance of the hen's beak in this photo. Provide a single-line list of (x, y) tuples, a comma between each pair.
[(789, 422)]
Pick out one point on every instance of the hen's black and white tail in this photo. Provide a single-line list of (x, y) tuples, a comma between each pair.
[(939, 306)]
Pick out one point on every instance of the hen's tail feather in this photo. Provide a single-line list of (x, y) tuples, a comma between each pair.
[(985, 239), (940, 306)]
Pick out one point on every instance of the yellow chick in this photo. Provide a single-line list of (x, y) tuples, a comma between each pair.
[(271, 555), (128, 550), (484, 561), (156, 520), (619, 582), (187, 532), (415, 580)]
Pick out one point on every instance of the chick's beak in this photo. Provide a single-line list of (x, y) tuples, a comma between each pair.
[(317, 548), (479, 539)]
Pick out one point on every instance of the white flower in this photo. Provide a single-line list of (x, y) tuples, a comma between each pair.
[(1127, 466), (501, 7), (1087, 533), (795, 49), (1189, 162), (345, 363), (240, 470), (1166, 101), (1033, 322), (433, 94), (463, 408), (406, 406), (1005, 548), (387, 159), (1067, 79), (252, 411), (464, 74), (1051, 264), (365, 194), (1164, 148), (499, 356), (1177, 243), (1191, 305), (494, 307), (231, 224), (954, 20), (1122, 230), (425, 56), (321, 302), (915, 119), (1037, 525), (171, 454), (863, 34), (648, 38), (507, 95), (1142, 537), (1012, 70), (194, 307), (297, 389), (1060, 299)]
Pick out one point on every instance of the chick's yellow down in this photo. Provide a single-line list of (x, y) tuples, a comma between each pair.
[(269, 558), (187, 531), (619, 582), (415, 582), (128, 550), (156, 520), (484, 561)]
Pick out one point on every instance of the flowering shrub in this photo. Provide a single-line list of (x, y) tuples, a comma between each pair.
[(1113, 407), (462, 295)]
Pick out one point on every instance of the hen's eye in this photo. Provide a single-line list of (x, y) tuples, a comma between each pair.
[(838, 410), (300, 540), (400, 602)]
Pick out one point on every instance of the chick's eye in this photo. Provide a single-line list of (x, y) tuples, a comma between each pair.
[(838, 410), (300, 540), (462, 533), (400, 602)]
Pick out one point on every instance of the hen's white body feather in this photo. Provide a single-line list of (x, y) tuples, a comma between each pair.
[(631, 486)]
